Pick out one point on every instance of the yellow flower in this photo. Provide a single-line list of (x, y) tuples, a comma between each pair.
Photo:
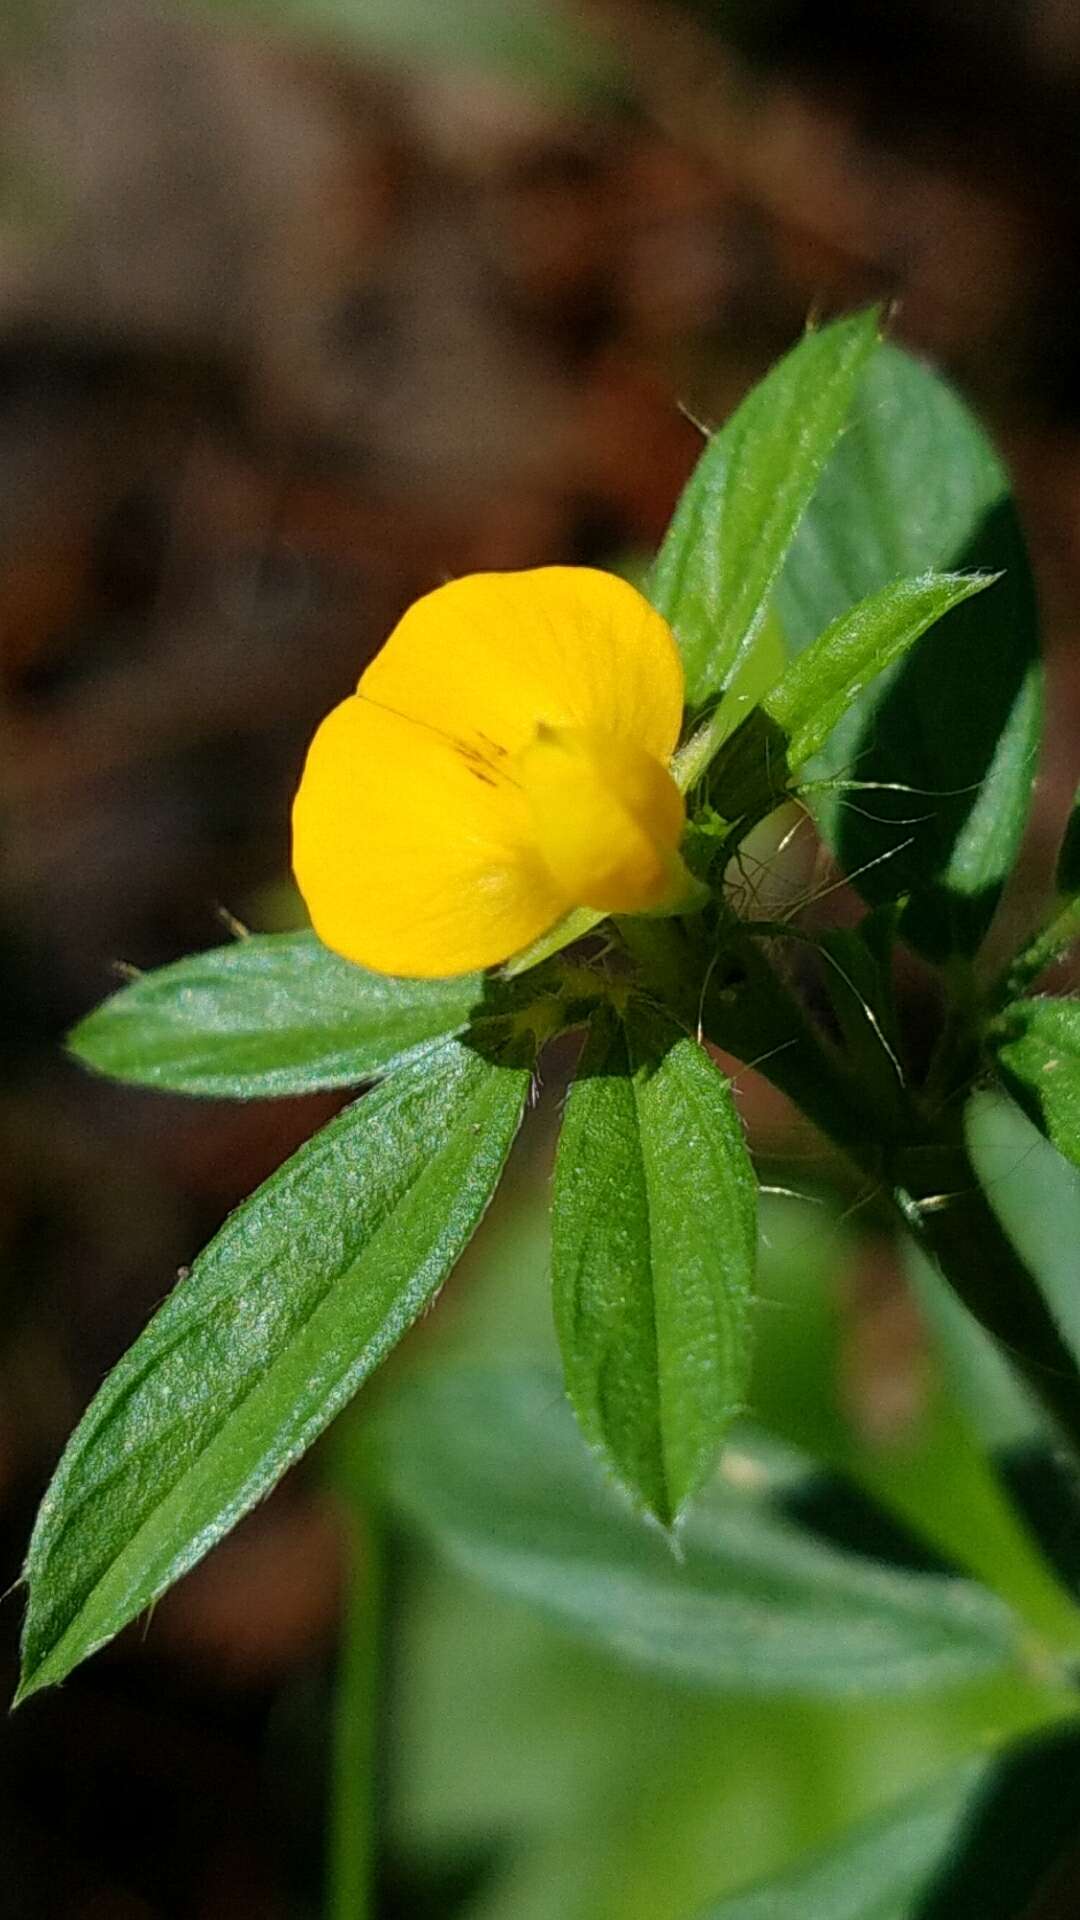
[(503, 760)]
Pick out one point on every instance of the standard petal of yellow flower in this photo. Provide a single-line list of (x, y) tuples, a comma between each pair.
[(503, 760), (412, 857), (493, 656), (608, 819)]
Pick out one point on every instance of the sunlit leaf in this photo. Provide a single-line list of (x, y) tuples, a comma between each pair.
[(277, 1013), (735, 521), (948, 739), (1037, 1046), (654, 1239), (821, 683), (301, 1295)]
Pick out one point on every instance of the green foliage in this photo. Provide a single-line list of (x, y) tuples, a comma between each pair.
[(1037, 1046), (974, 1841), (695, 1588), (830, 674), (737, 516), (599, 1790), (950, 736), (491, 1466), (535, 43), (933, 1477), (301, 1295), (654, 1239), (754, 768), (276, 1013), (880, 1870), (1035, 1194)]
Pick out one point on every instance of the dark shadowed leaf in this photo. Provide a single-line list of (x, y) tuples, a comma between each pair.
[(492, 1466), (654, 1240), (1068, 860), (301, 1295), (277, 1013), (733, 526), (951, 733)]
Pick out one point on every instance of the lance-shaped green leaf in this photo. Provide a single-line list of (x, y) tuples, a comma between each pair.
[(491, 1465), (977, 1841), (950, 735), (301, 1295), (653, 1243), (1037, 1045), (755, 766), (820, 684), (737, 516), (277, 1013)]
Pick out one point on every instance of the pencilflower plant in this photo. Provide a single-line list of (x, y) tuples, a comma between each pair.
[(527, 821)]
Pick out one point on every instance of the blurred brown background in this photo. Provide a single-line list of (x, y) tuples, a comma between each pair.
[(294, 325)]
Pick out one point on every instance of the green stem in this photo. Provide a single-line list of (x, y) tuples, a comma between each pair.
[(1049, 944), (693, 757), (353, 1816)]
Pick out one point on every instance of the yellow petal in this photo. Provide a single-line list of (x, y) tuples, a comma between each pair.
[(608, 819), (493, 656), (412, 858), (503, 760)]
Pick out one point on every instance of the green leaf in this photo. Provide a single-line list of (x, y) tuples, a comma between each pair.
[(492, 1466), (881, 1869), (985, 1394), (978, 1840), (654, 1240), (535, 43), (930, 1470), (733, 526), (914, 486), (1037, 1046), (277, 1013), (1035, 1194), (820, 684), (298, 1299)]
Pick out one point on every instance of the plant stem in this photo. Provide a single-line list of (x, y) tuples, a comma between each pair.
[(1048, 945), (353, 1801)]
